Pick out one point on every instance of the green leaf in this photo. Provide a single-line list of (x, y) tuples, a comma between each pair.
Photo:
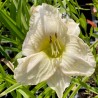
[(7, 40), (83, 84), (18, 95), (2, 71), (8, 79), (19, 55), (92, 89), (83, 22), (91, 31), (95, 35), (15, 2), (26, 93), (74, 17), (61, 3), (72, 8), (4, 53), (11, 25), (13, 10), (2, 87), (23, 93), (1, 78), (25, 16), (37, 87), (2, 4), (19, 13), (46, 92), (96, 96), (94, 44), (68, 90), (11, 49), (49, 94), (10, 89), (96, 29), (24, 23), (75, 82)]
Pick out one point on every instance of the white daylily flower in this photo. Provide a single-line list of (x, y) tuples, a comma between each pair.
[(53, 51)]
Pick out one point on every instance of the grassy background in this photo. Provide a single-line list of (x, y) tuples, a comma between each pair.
[(14, 24)]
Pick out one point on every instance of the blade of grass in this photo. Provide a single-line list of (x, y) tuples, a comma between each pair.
[(10, 89), (3, 4), (11, 25), (19, 12), (24, 23), (7, 40), (78, 87), (47, 90), (13, 10), (4, 53), (18, 95), (27, 14), (2, 86), (23, 93), (26, 93), (2, 71), (37, 87)]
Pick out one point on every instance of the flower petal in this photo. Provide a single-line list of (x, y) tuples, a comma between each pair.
[(59, 82), (44, 22), (34, 69), (73, 27), (77, 59)]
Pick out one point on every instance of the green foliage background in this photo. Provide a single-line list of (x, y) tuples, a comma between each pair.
[(14, 24)]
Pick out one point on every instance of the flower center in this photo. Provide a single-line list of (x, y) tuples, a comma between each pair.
[(52, 46)]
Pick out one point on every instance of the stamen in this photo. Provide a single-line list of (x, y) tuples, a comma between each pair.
[(55, 35), (52, 49), (56, 49), (50, 40), (58, 44), (55, 46)]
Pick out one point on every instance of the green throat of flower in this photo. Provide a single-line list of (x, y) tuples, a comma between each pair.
[(52, 46)]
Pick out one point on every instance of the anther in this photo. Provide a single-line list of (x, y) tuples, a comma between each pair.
[(50, 39), (56, 35)]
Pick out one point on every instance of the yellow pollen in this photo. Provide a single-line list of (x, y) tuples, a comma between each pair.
[(52, 46)]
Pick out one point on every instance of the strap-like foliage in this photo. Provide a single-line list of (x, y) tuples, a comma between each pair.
[(14, 24)]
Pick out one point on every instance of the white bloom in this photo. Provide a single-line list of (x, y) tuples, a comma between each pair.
[(53, 51)]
